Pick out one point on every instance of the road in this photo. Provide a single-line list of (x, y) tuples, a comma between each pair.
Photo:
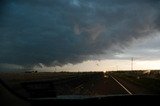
[(90, 85), (109, 85)]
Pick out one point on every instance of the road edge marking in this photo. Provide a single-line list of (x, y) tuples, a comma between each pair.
[(122, 85)]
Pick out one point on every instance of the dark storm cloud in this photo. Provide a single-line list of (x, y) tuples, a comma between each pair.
[(69, 31), (149, 49)]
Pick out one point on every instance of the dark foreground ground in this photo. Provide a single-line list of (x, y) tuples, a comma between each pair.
[(39, 85)]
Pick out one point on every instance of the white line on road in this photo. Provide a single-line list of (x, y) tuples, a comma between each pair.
[(79, 86), (122, 85)]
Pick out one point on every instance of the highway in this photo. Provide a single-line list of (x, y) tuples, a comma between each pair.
[(90, 84), (108, 85), (129, 92)]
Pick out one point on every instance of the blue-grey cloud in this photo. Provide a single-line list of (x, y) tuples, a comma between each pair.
[(149, 49), (68, 31)]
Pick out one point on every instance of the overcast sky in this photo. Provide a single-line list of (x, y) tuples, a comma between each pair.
[(59, 32)]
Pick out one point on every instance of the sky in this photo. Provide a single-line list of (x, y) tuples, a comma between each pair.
[(79, 35)]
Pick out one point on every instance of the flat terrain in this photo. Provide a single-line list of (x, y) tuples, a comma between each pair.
[(47, 84)]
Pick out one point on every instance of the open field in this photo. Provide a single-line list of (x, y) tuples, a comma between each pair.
[(51, 84)]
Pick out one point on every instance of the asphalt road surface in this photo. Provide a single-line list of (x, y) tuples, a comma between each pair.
[(109, 85), (90, 85)]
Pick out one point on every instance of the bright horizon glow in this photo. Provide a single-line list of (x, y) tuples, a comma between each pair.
[(105, 65)]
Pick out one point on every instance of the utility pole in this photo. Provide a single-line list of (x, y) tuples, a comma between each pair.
[(117, 67), (132, 64)]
